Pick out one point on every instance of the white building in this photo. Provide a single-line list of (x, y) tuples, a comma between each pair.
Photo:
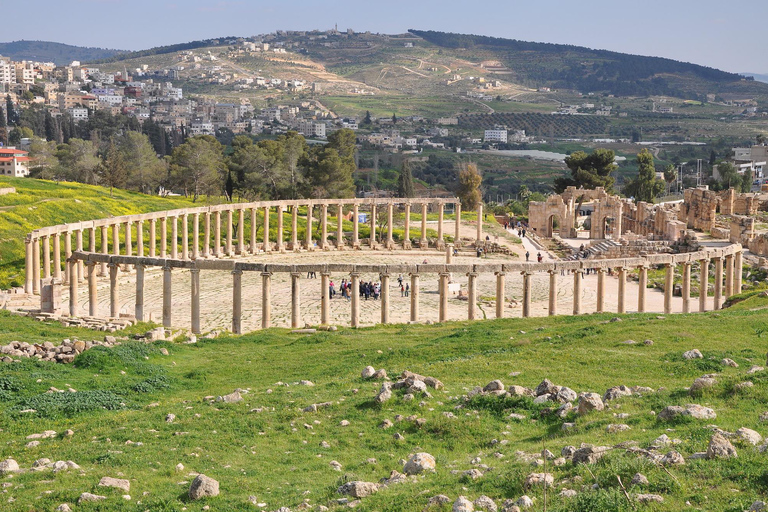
[(78, 114), (496, 136), (7, 72), (14, 162)]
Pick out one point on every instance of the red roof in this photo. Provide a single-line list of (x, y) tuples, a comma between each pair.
[(12, 151), (18, 159)]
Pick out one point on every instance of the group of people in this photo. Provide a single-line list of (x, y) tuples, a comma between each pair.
[(539, 257)]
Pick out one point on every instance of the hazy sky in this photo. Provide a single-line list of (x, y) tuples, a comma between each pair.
[(727, 35)]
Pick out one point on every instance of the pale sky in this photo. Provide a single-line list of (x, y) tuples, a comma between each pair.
[(726, 35)]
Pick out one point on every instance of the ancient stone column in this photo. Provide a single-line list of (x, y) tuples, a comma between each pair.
[(139, 306), (230, 234), (703, 284), (642, 285), (196, 236), (407, 227), (340, 226), (280, 234), (471, 295), (72, 266), (152, 237), (80, 264), (114, 291), (46, 257), (323, 226), (140, 238), (57, 256), (128, 240), (217, 234), (737, 273), (93, 299), (355, 291), (718, 282), (686, 287), (237, 301), (622, 290), (266, 246), (526, 294), (207, 235), (194, 275), (36, 267), (390, 226), (457, 227), (167, 297), (163, 237), (448, 254), (500, 294), (309, 244), (253, 231), (355, 226), (440, 218), (266, 300), (184, 237), (240, 231), (92, 239), (669, 277), (414, 297), (373, 226), (728, 275), (174, 238), (325, 299), (577, 291), (295, 228), (600, 290), (423, 242), (384, 298), (68, 254), (552, 292), (480, 223), (295, 300), (28, 266), (104, 249), (443, 285)]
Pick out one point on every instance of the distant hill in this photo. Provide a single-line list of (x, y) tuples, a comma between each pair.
[(587, 70), (58, 53), (760, 77)]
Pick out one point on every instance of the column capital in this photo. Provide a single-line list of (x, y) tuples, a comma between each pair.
[(113, 265), (413, 274), (93, 264), (553, 271), (237, 271), (472, 274), (265, 274), (354, 274), (191, 271), (526, 273), (384, 274), (500, 273), (601, 270), (296, 274)]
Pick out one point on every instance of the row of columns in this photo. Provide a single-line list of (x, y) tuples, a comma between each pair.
[(217, 248)]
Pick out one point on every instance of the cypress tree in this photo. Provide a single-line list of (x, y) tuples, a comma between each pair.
[(405, 181)]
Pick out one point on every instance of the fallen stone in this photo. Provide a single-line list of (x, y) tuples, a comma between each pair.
[(202, 487), (702, 383), (749, 436), (368, 372), (483, 502), (545, 388), (63, 508), (230, 398), (589, 402), (385, 393), (616, 392), (589, 454), (649, 498), (672, 458), (639, 479), (86, 496), (462, 504), (693, 354), (358, 489), (494, 385), (9, 466), (729, 362), (720, 447), (419, 463), (538, 480), (117, 483)]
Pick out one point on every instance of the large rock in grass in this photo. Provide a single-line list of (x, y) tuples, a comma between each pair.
[(538, 480), (695, 411), (589, 402), (462, 504), (385, 393), (86, 496), (203, 487), (545, 388), (419, 463), (720, 447), (494, 385), (483, 502), (368, 372), (616, 392), (117, 483), (231, 398), (693, 354), (702, 383), (589, 454), (748, 436), (8, 466), (358, 489)]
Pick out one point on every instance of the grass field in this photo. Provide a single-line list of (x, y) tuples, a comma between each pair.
[(266, 447)]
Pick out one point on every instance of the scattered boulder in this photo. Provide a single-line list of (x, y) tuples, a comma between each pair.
[(358, 489), (758, 506), (385, 393), (494, 385), (462, 504), (203, 486), (440, 499), (589, 454), (720, 447), (368, 372), (693, 354), (693, 410), (672, 458), (747, 435), (419, 463), (729, 362), (565, 395), (589, 402), (520, 391), (616, 392), (617, 427), (702, 383), (169, 418), (545, 388), (86, 496), (538, 480), (63, 508), (485, 503), (524, 502), (639, 479), (380, 374), (8, 466), (649, 498), (231, 398), (117, 483)]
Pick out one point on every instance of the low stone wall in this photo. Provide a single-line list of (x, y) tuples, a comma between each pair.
[(8, 190)]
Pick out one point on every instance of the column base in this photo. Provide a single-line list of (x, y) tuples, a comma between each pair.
[(407, 244), (440, 245), (423, 244), (390, 245)]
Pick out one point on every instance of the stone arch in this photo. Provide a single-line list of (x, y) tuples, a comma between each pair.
[(555, 224)]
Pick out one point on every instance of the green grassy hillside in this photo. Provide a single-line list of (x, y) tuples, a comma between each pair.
[(39, 203), (266, 450)]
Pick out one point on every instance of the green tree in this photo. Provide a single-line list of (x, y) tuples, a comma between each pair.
[(112, 171), (729, 176), (329, 169), (645, 187), (45, 165), (760, 138), (197, 166), (79, 160), (394, 119), (589, 171), (468, 190), (145, 171), (405, 180), (670, 175), (746, 181), (18, 133), (367, 119)]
